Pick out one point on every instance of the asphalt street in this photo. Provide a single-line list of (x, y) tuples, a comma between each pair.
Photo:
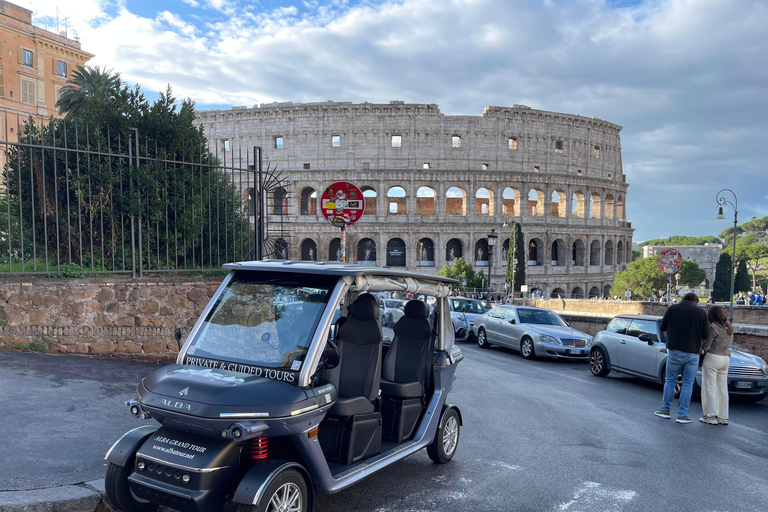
[(537, 435)]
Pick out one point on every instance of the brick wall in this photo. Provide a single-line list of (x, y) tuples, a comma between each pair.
[(126, 317)]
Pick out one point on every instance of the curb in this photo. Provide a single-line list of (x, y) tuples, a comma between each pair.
[(83, 497)]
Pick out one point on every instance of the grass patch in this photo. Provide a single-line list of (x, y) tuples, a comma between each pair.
[(35, 346)]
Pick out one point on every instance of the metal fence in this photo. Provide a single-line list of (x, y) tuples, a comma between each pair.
[(78, 199)]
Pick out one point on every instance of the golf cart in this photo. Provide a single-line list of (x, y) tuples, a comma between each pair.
[(271, 400)]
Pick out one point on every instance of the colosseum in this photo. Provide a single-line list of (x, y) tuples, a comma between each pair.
[(436, 185)]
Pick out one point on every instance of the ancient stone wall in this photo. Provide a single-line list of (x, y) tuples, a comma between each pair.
[(123, 317)]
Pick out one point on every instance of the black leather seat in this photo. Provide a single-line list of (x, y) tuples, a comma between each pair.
[(358, 375), (406, 367)]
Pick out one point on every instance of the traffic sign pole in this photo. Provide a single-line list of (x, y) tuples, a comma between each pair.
[(343, 244)]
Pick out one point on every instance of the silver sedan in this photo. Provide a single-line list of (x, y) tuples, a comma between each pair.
[(535, 332)]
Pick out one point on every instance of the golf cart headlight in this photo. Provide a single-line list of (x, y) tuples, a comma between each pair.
[(549, 339)]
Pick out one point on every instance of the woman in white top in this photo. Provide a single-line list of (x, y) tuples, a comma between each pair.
[(714, 371)]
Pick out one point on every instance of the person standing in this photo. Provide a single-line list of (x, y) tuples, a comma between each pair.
[(686, 327), (714, 371)]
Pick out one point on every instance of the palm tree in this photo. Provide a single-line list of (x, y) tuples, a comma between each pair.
[(89, 87)]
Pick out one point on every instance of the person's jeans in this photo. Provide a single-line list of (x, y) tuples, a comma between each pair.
[(688, 363)]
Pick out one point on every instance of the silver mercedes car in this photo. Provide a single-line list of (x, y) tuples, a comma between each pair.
[(635, 345), (535, 332)]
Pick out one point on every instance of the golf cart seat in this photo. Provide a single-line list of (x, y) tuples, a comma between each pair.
[(406, 373)]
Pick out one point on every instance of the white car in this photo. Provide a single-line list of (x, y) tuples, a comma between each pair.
[(390, 311)]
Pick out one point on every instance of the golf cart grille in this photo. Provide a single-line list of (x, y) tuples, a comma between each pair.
[(572, 342), (746, 371)]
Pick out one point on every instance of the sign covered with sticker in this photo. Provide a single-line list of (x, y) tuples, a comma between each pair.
[(342, 204)]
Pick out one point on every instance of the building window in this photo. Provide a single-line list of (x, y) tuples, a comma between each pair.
[(226, 144), (306, 166), (393, 208), (425, 165), (366, 166), (578, 173), (278, 143), (27, 58), (536, 168), (609, 176), (28, 92), (336, 141), (455, 141), (512, 143), (61, 68), (559, 146), (2, 86), (485, 167), (597, 152), (397, 141)]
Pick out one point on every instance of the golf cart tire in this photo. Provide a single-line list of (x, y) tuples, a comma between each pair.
[(287, 483), (443, 447), (118, 493)]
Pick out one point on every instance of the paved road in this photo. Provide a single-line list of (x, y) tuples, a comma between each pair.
[(538, 435)]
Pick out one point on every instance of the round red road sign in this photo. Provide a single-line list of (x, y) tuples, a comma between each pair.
[(342, 204), (669, 260)]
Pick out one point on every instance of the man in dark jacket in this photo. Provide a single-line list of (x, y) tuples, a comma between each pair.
[(686, 326)]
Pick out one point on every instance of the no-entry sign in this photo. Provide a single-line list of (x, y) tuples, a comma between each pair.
[(669, 260), (342, 204)]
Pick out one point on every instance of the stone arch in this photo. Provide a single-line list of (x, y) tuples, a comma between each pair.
[(370, 195), (481, 252), (620, 208), (594, 292), (483, 201), (535, 252), (425, 253), (619, 253), (505, 250), (557, 293), (455, 201), (308, 203), (396, 253), (578, 253), (608, 260), (426, 198), (558, 256), (609, 206), (334, 250), (577, 204), (455, 245), (396, 201), (535, 202), (280, 251), (279, 201), (557, 202), (607, 291), (594, 253), (252, 203), (595, 203), (510, 201), (366, 252), (308, 250), (577, 293)]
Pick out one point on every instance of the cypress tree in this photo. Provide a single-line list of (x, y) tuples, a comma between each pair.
[(519, 255), (510, 274), (721, 288), (742, 280)]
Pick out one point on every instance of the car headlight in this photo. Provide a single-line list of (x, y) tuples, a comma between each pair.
[(765, 366), (549, 339), (590, 340)]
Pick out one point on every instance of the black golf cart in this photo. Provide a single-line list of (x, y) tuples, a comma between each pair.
[(271, 400)]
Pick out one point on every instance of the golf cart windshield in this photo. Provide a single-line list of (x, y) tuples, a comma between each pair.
[(264, 320), (539, 316), (470, 305)]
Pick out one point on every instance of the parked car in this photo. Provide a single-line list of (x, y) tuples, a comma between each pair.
[(463, 315), (535, 332), (635, 345), (390, 311)]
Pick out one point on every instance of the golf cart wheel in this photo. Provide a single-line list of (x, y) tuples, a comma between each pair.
[(482, 339), (119, 495), (597, 363), (287, 492), (526, 348), (443, 448)]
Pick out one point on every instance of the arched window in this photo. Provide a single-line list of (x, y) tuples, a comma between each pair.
[(252, 202), (505, 251), (481, 252), (557, 293), (308, 201), (558, 255), (557, 208), (620, 208), (455, 201), (594, 253), (535, 203), (370, 200), (578, 253), (425, 253), (396, 201), (619, 253), (366, 252), (609, 206), (577, 204), (509, 202), (279, 201), (535, 252), (281, 250), (577, 293), (608, 253), (395, 253), (309, 250), (607, 291), (594, 292), (594, 206), (425, 201), (334, 250), (453, 250), (483, 201)]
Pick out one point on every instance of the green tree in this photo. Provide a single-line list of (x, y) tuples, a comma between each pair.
[(721, 288), (691, 274), (510, 269), (636, 254), (741, 281), (460, 270), (642, 277), (682, 240), (755, 256), (519, 256)]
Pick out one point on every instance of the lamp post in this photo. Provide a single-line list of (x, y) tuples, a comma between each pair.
[(722, 201), (492, 236)]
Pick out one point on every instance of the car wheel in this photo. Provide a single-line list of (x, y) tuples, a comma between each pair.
[(526, 348), (482, 339), (390, 321), (598, 363), (287, 492), (119, 495), (443, 447)]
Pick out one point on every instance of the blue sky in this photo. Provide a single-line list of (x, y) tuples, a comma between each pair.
[(688, 80)]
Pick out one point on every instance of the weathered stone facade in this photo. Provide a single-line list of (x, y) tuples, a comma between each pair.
[(436, 185)]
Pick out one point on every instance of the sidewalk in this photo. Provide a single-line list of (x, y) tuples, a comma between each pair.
[(60, 416)]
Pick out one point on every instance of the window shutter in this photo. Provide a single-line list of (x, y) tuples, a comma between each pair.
[(2, 86), (20, 55), (54, 65), (34, 60)]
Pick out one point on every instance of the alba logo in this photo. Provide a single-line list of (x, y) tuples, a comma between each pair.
[(184, 391)]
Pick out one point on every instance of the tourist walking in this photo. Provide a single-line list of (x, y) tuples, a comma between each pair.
[(686, 327), (714, 370)]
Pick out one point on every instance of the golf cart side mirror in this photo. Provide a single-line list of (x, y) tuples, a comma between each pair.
[(645, 337), (177, 335), (331, 357)]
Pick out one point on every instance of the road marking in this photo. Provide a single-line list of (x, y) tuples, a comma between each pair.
[(595, 496)]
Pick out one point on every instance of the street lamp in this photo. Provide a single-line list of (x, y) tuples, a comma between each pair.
[(492, 236), (721, 201)]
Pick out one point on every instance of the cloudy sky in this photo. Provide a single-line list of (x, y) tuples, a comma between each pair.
[(687, 79)]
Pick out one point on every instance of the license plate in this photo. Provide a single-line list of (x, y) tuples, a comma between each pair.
[(745, 385), (577, 352)]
